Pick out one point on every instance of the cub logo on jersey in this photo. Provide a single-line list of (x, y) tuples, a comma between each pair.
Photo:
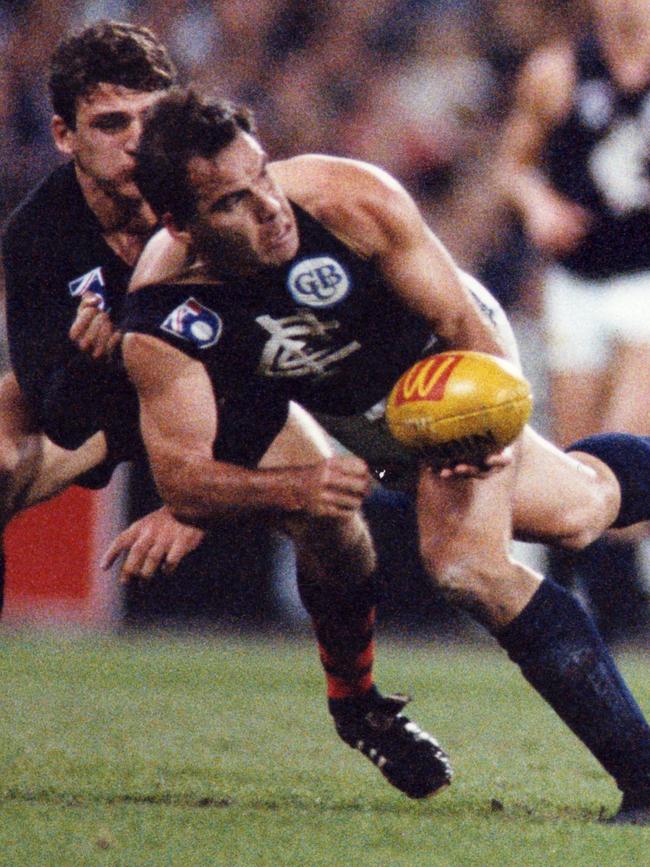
[(93, 282), (318, 282), (195, 323)]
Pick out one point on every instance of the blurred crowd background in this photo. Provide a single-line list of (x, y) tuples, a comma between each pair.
[(420, 87)]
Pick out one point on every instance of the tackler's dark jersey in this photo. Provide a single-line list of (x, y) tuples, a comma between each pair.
[(598, 157), (53, 251), (324, 329)]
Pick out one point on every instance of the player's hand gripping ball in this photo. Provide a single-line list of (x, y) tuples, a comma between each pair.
[(459, 407)]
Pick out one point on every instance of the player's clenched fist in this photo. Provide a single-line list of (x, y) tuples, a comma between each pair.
[(92, 330), (332, 488)]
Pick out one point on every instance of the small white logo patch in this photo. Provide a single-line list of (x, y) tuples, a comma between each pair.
[(318, 282)]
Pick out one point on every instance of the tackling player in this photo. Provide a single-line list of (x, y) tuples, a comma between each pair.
[(316, 280), (68, 253)]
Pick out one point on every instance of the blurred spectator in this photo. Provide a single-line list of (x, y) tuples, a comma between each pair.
[(575, 169)]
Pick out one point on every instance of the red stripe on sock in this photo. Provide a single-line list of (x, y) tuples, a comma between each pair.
[(350, 677)]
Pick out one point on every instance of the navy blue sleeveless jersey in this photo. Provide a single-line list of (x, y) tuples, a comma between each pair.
[(53, 250), (324, 329), (598, 158)]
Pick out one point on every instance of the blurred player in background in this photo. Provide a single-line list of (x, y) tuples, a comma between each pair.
[(574, 167), (316, 280), (68, 251)]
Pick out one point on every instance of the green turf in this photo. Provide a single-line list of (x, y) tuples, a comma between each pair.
[(213, 750)]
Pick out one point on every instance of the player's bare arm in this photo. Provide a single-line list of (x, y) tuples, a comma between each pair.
[(180, 423), (542, 99), (374, 215)]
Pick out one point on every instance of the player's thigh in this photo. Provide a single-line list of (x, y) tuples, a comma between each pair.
[(628, 407), (560, 499), (326, 548), (576, 403), (577, 343), (301, 441), (56, 468), (575, 322)]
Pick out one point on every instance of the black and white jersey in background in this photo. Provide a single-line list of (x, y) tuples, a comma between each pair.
[(598, 157)]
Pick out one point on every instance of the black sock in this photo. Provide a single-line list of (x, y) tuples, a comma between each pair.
[(343, 619), (628, 457), (605, 574), (560, 653)]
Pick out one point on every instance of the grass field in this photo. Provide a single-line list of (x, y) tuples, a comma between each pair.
[(217, 750)]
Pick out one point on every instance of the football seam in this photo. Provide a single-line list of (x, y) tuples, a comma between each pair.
[(419, 422)]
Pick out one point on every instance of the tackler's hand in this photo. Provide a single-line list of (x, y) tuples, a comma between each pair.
[(332, 488), (157, 541), (488, 466), (92, 330)]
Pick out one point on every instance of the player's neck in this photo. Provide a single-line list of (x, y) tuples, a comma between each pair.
[(128, 222)]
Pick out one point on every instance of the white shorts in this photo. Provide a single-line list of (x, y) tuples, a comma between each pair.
[(585, 318)]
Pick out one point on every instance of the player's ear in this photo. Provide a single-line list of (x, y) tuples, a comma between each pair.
[(62, 135), (177, 233)]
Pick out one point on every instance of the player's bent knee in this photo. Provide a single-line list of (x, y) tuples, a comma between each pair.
[(490, 586), (585, 521), (459, 573)]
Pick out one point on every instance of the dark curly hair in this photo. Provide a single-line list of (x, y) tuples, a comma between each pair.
[(112, 52), (180, 126)]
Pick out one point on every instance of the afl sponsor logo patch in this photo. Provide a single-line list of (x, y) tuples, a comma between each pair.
[(318, 282), (195, 323), (93, 282)]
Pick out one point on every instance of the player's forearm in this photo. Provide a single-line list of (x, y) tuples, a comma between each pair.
[(201, 491)]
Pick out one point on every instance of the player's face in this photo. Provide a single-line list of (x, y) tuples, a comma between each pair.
[(244, 221), (624, 29), (103, 145)]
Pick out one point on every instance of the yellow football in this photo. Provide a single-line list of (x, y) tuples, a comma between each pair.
[(459, 406)]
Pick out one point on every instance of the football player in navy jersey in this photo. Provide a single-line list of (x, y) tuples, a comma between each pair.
[(574, 168), (67, 411), (313, 280)]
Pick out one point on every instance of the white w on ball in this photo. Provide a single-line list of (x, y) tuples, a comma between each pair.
[(459, 406)]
